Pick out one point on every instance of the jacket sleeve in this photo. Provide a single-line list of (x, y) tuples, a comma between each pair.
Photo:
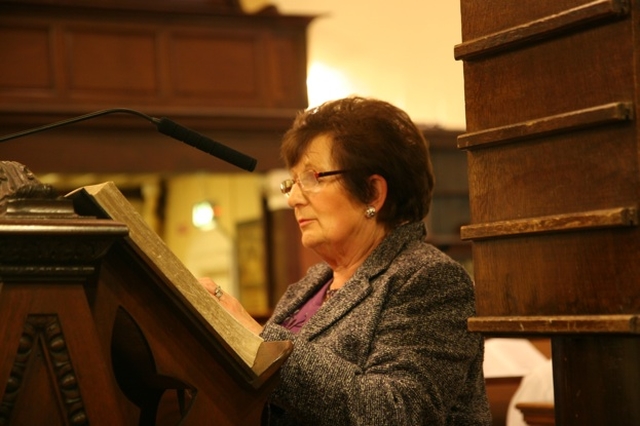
[(420, 365)]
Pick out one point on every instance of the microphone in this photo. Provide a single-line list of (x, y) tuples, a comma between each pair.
[(166, 127)]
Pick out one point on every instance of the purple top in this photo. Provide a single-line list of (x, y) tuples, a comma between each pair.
[(295, 321)]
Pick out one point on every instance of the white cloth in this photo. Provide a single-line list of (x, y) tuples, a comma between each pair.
[(507, 357), (536, 386)]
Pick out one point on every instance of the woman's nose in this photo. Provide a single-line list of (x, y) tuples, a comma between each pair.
[(295, 195)]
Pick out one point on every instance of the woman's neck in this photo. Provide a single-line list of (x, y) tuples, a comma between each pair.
[(345, 264)]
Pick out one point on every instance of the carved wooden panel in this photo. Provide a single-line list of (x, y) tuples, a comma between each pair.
[(107, 61), (42, 366)]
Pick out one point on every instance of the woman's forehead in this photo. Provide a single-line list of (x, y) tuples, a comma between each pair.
[(317, 154)]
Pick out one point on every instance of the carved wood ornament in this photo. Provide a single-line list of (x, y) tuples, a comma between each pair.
[(42, 352)]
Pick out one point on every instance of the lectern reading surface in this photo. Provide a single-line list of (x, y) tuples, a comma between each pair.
[(147, 244)]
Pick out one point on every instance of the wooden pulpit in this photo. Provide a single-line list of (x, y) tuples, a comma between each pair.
[(553, 158), (100, 324)]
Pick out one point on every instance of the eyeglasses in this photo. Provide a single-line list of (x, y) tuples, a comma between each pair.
[(308, 180)]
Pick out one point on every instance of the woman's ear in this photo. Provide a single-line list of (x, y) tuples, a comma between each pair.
[(378, 185)]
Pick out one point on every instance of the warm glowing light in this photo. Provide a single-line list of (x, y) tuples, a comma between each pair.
[(325, 83), (203, 215)]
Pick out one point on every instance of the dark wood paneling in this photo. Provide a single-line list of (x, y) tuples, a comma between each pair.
[(34, 55), (236, 78), (160, 59), (108, 62)]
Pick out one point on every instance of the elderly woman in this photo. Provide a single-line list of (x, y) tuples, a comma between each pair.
[(379, 328)]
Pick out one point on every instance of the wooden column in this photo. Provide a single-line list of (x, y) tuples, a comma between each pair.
[(551, 89)]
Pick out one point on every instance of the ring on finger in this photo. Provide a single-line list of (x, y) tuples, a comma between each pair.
[(218, 292)]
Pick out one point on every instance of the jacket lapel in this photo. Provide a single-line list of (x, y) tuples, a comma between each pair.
[(339, 305), (300, 292), (361, 284), (355, 290)]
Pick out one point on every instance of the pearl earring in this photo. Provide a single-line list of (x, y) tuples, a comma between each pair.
[(370, 212)]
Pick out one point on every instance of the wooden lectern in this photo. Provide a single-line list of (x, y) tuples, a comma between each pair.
[(100, 324), (551, 88)]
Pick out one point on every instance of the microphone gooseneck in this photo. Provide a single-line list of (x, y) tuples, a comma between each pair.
[(164, 126), (72, 120)]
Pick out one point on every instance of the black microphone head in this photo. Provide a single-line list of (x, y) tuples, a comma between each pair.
[(203, 143)]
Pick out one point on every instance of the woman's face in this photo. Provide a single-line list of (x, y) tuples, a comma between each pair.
[(331, 221)]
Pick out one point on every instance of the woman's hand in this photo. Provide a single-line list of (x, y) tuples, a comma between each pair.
[(231, 305)]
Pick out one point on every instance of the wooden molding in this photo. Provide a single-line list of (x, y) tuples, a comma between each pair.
[(549, 26), (596, 219), (556, 324), (614, 112)]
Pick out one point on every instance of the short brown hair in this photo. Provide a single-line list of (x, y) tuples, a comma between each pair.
[(370, 137)]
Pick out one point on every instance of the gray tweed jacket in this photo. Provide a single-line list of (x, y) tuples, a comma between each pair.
[(390, 348)]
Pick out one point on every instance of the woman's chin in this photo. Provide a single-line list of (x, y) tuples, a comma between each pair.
[(309, 241)]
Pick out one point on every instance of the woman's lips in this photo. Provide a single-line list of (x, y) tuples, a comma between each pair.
[(303, 222)]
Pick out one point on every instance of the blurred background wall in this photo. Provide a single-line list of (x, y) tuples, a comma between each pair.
[(400, 51)]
